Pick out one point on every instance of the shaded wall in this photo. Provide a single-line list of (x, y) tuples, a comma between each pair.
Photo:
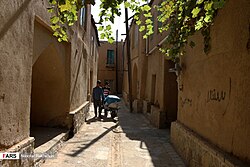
[(214, 101), (49, 102), (50, 79), (170, 97)]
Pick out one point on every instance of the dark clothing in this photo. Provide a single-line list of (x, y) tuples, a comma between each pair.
[(98, 98), (98, 93), (98, 103)]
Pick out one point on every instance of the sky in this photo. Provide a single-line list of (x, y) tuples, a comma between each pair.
[(119, 21)]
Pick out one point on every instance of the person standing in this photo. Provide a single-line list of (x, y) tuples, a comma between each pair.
[(106, 89), (98, 98)]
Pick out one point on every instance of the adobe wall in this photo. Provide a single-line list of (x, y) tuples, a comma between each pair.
[(125, 86), (214, 102), (17, 56), (81, 62), (93, 60), (79, 72), (16, 49), (155, 66), (147, 61)]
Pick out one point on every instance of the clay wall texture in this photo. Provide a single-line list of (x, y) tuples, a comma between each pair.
[(16, 33), (36, 70), (214, 102)]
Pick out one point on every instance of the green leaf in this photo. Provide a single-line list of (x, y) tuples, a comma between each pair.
[(52, 2), (111, 40), (199, 1), (71, 24), (50, 10), (142, 28), (65, 7), (138, 22), (102, 36), (136, 17), (54, 19), (65, 38), (100, 28), (148, 15), (180, 9), (145, 36), (63, 32), (148, 21), (198, 25), (56, 34), (208, 6), (108, 27), (195, 12), (127, 4), (146, 8), (208, 18), (55, 27), (150, 32)]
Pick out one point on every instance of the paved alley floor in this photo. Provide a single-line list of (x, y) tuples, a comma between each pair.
[(129, 142)]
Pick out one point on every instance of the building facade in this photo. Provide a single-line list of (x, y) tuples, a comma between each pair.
[(209, 98), (42, 82), (154, 89), (110, 65)]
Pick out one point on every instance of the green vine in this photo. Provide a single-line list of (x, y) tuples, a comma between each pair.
[(179, 18), (64, 14), (111, 9)]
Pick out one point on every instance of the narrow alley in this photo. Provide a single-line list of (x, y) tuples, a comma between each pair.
[(179, 70), (130, 141)]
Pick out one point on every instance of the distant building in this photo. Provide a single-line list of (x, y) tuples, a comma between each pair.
[(110, 66)]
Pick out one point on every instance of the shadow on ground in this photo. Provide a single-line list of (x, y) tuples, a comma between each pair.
[(93, 141), (148, 139), (45, 134)]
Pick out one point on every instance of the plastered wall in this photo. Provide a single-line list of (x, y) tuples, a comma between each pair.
[(20, 50), (214, 101), (16, 33)]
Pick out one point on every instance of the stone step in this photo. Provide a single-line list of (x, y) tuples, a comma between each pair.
[(49, 149)]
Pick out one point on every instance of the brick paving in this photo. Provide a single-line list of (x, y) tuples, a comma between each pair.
[(129, 142)]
